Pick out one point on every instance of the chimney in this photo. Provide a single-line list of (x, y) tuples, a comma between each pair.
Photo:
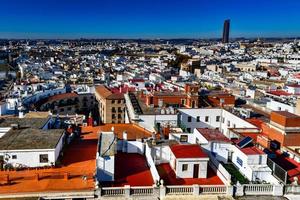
[(124, 135)]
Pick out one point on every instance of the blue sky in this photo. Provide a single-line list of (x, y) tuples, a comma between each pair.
[(147, 18)]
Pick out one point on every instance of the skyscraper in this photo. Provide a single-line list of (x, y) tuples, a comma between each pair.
[(226, 29)]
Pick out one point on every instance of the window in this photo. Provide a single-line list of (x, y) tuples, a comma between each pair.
[(112, 101), (189, 119), (113, 109), (182, 101), (198, 118), (234, 125), (119, 116), (183, 138), (119, 101), (206, 118), (223, 120), (184, 167), (119, 109), (239, 161), (188, 130), (62, 110), (228, 123), (113, 116), (14, 156), (217, 118), (44, 158)]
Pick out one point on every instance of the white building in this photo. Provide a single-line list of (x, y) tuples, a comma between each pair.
[(214, 142), (188, 161), (31, 147), (210, 118), (252, 163), (280, 106)]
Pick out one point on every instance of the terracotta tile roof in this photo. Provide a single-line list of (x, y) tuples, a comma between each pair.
[(106, 93), (62, 96), (279, 93), (213, 135), (103, 91), (188, 151), (252, 151), (256, 122), (133, 131)]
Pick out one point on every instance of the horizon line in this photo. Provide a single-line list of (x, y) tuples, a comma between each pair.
[(150, 38)]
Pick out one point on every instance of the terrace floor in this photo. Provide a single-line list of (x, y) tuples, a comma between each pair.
[(289, 165), (78, 161), (168, 175), (131, 169)]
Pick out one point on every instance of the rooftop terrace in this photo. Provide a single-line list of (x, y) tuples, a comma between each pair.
[(168, 175), (75, 173), (131, 169)]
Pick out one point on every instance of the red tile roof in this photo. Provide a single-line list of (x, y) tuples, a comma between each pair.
[(213, 135), (279, 93), (252, 151), (106, 93), (256, 122), (123, 89), (62, 96), (188, 151)]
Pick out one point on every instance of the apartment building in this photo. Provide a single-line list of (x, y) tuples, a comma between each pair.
[(111, 105)]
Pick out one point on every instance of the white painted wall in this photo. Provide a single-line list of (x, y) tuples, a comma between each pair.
[(202, 113), (106, 168), (29, 158), (278, 106), (176, 136), (218, 168), (219, 148), (148, 121), (151, 164), (229, 120), (59, 146), (190, 170), (161, 154), (253, 166)]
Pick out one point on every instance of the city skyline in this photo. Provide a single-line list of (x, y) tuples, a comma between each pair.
[(134, 19)]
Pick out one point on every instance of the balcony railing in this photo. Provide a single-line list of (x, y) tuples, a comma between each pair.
[(179, 190), (113, 191)]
